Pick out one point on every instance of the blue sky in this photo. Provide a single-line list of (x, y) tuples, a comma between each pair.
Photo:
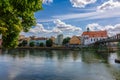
[(72, 17)]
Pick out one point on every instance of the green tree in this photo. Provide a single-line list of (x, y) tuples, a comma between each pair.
[(49, 43), (66, 40), (16, 16), (24, 43), (41, 44), (32, 44)]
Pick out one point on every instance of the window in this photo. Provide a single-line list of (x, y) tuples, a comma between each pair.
[(97, 39)]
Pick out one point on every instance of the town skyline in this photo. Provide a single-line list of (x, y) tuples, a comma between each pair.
[(72, 17)]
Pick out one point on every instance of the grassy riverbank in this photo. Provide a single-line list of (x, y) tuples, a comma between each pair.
[(45, 48), (68, 48)]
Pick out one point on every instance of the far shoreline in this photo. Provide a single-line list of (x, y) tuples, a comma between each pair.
[(70, 48), (64, 48), (45, 48)]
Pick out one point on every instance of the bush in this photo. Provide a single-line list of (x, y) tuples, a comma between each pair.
[(49, 43), (41, 44), (32, 44), (24, 43)]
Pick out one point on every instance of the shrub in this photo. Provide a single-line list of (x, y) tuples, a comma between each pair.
[(32, 44)]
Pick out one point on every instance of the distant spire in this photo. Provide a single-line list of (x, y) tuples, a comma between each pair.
[(88, 29)]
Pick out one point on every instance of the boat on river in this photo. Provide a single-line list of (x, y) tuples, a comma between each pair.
[(117, 61)]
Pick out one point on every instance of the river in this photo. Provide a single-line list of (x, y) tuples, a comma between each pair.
[(37, 64)]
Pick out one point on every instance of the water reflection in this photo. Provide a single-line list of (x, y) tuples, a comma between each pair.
[(37, 64)]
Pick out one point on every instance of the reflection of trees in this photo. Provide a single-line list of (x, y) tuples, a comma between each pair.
[(65, 55), (75, 55), (49, 54), (90, 56), (16, 53), (60, 55), (118, 54)]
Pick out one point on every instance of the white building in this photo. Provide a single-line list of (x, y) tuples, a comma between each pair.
[(90, 37), (38, 40), (59, 39)]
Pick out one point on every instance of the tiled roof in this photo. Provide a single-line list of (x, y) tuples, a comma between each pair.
[(95, 33), (40, 38)]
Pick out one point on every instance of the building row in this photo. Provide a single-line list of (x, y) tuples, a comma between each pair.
[(87, 37)]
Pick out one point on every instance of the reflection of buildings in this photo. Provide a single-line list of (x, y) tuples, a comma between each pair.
[(90, 37), (59, 39)]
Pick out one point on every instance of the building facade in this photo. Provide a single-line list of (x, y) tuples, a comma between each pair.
[(37, 41), (59, 39), (90, 37), (75, 41)]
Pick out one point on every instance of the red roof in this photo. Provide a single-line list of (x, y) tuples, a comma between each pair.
[(39, 38), (95, 33)]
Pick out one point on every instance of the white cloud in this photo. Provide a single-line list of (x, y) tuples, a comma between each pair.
[(91, 15), (65, 27), (94, 26), (47, 1), (69, 30), (56, 30), (81, 3), (38, 29), (60, 27), (112, 30), (111, 4)]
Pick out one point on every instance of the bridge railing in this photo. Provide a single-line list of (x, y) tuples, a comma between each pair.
[(109, 39)]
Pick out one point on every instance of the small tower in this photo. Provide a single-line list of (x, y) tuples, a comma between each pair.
[(88, 29)]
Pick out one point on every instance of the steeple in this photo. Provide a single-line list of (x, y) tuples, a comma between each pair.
[(88, 29)]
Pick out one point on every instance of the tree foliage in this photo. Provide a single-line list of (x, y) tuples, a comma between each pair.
[(24, 43), (41, 44), (66, 40), (32, 44), (16, 16), (49, 43)]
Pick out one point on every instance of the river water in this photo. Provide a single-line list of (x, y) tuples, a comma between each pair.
[(37, 64)]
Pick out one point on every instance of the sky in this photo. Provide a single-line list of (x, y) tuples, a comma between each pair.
[(72, 17)]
